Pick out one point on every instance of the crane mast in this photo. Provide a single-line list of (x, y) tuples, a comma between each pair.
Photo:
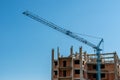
[(71, 34)]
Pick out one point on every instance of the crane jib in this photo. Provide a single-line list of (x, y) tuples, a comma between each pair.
[(71, 34), (54, 26)]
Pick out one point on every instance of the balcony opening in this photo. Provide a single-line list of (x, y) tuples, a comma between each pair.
[(102, 66), (103, 75), (64, 73), (64, 63), (83, 62), (55, 62), (77, 62), (94, 66), (77, 71), (94, 76), (55, 73)]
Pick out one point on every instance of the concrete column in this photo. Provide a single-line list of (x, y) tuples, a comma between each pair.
[(58, 52), (115, 66), (71, 50), (85, 68), (52, 65), (58, 61), (85, 56), (81, 70), (72, 71)]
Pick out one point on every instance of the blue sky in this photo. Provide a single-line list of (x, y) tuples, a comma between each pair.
[(25, 44)]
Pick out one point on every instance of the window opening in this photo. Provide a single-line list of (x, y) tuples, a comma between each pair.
[(64, 73), (77, 62), (55, 72), (64, 63), (77, 71)]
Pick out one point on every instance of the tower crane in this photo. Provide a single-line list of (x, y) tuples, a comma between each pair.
[(71, 34)]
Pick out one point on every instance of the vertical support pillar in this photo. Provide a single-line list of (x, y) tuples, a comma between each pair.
[(72, 71), (52, 65), (71, 50), (58, 61), (115, 65), (85, 56), (81, 70), (58, 52), (85, 65), (98, 65)]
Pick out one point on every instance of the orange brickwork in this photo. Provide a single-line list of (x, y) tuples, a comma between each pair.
[(82, 66)]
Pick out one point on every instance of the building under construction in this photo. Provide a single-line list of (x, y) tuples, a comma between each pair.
[(82, 66)]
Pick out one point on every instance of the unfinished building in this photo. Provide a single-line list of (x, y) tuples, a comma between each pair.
[(82, 66)]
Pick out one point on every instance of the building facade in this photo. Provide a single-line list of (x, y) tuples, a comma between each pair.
[(82, 66)]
